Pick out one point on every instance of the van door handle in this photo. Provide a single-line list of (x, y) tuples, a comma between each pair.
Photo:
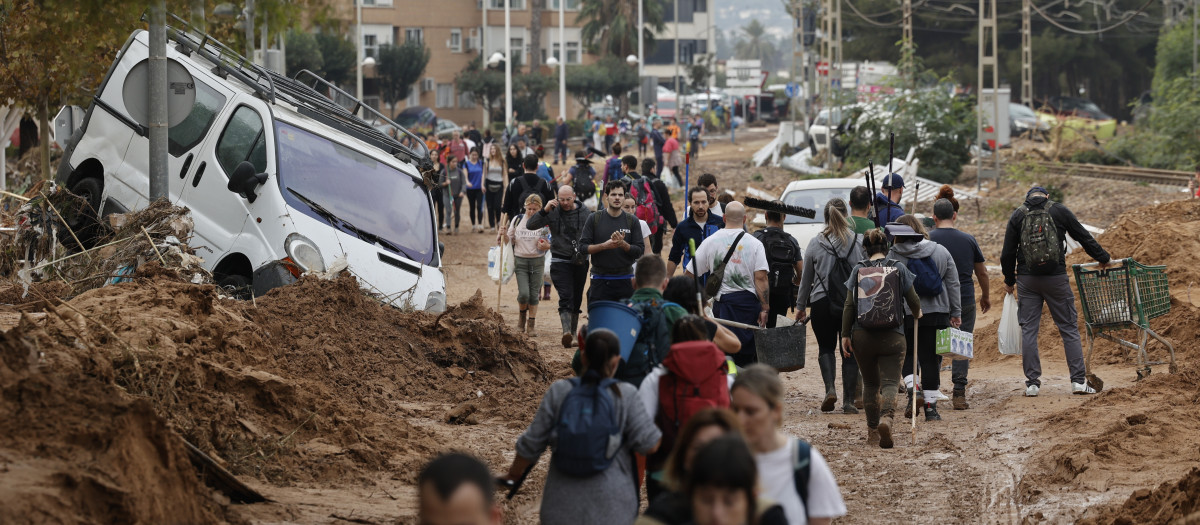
[(187, 163), (199, 173)]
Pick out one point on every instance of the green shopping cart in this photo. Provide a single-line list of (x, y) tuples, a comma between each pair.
[(1125, 297)]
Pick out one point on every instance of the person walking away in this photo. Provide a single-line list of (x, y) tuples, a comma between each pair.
[(645, 197), (873, 331), (561, 135), (493, 186), (524, 185), (887, 200), (692, 377), (598, 133), (807, 490), (583, 178), (610, 133), (566, 217), (860, 208), (472, 134), (612, 257), (435, 194), (536, 134), (474, 190), (662, 200), (698, 226), (674, 157), (612, 167), (457, 489), (708, 181), (743, 294), (623, 129), (829, 259), (458, 183), (529, 247), (967, 258), (694, 136), (658, 141), (587, 484), (935, 278), (1033, 260), (544, 170), (643, 136), (784, 263)]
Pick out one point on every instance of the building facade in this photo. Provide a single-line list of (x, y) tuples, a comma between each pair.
[(696, 34)]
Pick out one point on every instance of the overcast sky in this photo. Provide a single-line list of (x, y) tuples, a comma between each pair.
[(732, 14)]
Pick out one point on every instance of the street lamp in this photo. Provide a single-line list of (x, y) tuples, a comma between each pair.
[(495, 59), (632, 60)]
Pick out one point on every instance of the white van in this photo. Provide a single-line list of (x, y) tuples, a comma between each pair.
[(280, 179)]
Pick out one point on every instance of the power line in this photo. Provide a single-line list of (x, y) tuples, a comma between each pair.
[(1090, 31), (872, 22)]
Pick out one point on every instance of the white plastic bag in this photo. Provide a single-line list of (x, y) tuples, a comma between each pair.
[(510, 264), (546, 271), (501, 263), (493, 263), (1009, 331)]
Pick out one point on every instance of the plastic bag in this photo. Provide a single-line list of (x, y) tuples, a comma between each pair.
[(546, 272), (493, 263), (501, 263), (1009, 331), (510, 264)]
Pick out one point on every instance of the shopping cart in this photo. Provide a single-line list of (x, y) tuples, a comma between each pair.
[(1122, 298)]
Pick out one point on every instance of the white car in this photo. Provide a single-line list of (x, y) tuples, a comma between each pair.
[(280, 180), (813, 194)]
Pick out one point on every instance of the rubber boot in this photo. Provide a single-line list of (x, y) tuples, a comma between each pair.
[(521, 321), (529, 325), (828, 363), (849, 385), (872, 437), (574, 323), (931, 413), (908, 407), (960, 399), (568, 334), (885, 432)]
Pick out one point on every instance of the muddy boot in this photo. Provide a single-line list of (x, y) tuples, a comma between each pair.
[(872, 437), (828, 363), (545, 292), (931, 413), (908, 406), (529, 325), (521, 321), (564, 318), (885, 432), (960, 399)]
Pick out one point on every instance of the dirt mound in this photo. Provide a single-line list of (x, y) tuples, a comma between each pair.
[(75, 449), (1166, 504), (1165, 234)]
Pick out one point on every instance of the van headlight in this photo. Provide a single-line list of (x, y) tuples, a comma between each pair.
[(304, 253), (435, 302)]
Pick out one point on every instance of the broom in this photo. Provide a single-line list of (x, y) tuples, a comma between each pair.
[(786, 209)]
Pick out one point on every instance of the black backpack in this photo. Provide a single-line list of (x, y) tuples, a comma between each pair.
[(782, 253), (835, 282)]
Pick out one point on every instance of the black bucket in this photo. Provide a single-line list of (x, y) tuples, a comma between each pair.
[(783, 347)]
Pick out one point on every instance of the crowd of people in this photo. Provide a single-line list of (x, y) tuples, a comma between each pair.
[(688, 412)]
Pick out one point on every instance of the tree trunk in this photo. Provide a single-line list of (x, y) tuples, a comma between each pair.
[(44, 133), (535, 34)]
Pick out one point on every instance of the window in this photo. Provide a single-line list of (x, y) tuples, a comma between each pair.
[(499, 4), (701, 6), (455, 42), (572, 5), (185, 135), (466, 100), (445, 96), (414, 96), (518, 48), (572, 52), (242, 141), (371, 46), (414, 34)]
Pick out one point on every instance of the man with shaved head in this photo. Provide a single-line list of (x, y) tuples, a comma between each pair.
[(568, 270), (744, 293), (456, 489)]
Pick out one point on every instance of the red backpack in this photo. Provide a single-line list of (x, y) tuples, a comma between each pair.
[(696, 379), (647, 209)]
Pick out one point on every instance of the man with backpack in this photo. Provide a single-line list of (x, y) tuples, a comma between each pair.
[(661, 197), (739, 264), (1034, 260), (566, 218), (697, 227), (935, 278), (521, 187), (613, 239), (785, 263), (658, 317), (583, 177), (612, 167)]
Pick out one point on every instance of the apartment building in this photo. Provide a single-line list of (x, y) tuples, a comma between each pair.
[(696, 33), (457, 31)]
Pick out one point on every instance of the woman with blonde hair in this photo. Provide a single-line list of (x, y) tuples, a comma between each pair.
[(493, 184), (827, 263), (529, 248)]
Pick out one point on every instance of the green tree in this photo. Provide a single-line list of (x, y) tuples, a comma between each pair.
[(609, 76), (486, 86), (339, 57), (303, 52), (610, 26), (398, 68), (755, 44), (1173, 54)]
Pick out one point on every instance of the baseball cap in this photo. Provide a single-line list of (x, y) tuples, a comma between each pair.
[(892, 181)]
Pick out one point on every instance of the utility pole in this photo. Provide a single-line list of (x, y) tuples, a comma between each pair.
[(1026, 57), (248, 20), (831, 55), (641, 29), (906, 64), (157, 79), (987, 70), (799, 68), (197, 18), (562, 61), (678, 94), (508, 58)]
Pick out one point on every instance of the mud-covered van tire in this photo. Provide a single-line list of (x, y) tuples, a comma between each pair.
[(239, 286), (85, 223)]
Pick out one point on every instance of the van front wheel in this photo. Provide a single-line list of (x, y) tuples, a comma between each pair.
[(85, 223), (238, 286)]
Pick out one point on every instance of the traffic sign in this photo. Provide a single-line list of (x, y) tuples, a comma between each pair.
[(791, 89), (823, 68)]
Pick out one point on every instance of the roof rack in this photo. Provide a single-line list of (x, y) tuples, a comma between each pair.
[(316, 101)]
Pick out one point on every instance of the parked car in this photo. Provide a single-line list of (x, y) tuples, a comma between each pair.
[(445, 127), (1023, 122), (418, 119), (813, 194), (280, 180), (1078, 114)]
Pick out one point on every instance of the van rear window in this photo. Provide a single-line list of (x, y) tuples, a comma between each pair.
[(185, 135)]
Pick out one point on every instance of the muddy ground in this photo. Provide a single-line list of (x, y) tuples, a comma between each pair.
[(327, 403)]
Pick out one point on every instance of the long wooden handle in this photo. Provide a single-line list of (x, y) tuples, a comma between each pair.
[(916, 367)]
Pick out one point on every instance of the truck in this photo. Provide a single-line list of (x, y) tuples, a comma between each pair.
[(280, 175)]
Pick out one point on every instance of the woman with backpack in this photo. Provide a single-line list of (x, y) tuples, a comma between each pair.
[(790, 471), (828, 261), (874, 334), (692, 377), (935, 279), (586, 484), (529, 251)]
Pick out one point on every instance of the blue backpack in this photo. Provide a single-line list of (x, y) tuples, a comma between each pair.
[(927, 280), (612, 170), (653, 342), (589, 434)]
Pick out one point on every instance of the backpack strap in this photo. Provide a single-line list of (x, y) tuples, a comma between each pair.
[(802, 469)]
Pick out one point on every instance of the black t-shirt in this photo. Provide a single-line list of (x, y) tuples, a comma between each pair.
[(964, 249)]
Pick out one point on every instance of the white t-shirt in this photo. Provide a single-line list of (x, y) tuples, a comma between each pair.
[(648, 390), (748, 257), (645, 229), (777, 479)]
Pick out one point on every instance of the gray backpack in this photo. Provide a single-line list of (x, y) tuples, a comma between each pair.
[(1041, 246)]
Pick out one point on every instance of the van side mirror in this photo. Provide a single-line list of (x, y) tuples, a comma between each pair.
[(244, 180)]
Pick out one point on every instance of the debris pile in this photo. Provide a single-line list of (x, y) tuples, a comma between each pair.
[(1171, 502)]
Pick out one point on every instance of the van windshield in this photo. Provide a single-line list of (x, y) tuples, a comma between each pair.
[(384, 205), (813, 199)]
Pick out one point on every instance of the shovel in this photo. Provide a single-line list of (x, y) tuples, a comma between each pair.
[(1093, 380)]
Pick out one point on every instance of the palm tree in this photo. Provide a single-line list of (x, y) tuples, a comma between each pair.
[(755, 44), (610, 26), (535, 34)]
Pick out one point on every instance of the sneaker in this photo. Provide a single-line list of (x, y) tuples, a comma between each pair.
[(1032, 391), (1082, 389), (931, 413)]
